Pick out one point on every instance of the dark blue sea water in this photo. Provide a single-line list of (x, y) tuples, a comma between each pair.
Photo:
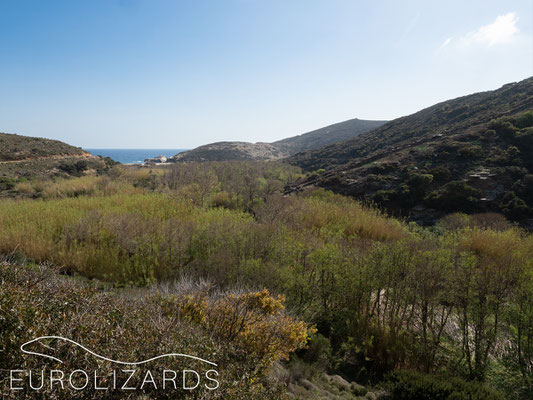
[(135, 156)]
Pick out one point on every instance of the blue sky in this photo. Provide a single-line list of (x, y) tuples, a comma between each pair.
[(178, 74)]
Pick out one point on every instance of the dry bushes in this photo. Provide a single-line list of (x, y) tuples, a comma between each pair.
[(242, 333)]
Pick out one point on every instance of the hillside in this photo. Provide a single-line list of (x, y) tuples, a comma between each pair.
[(225, 151), (16, 147), (328, 135), (469, 154), (26, 156)]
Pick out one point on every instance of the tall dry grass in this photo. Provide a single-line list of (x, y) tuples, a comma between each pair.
[(75, 187)]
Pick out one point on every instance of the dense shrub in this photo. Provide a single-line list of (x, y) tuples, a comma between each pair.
[(318, 351), (186, 318), (419, 183), (454, 195), (470, 151), (525, 120), (221, 199), (77, 168), (524, 188), (441, 174), (408, 385), (7, 183), (514, 207), (503, 126), (524, 140)]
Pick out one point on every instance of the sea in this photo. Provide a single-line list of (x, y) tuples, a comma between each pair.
[(133, 156)]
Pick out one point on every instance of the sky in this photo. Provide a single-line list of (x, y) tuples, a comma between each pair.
[(179, 74)]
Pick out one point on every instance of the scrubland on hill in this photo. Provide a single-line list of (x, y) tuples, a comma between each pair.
[(470, 154)]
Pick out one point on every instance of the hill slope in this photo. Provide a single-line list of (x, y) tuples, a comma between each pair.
[(472, 154), (223, 151), (16, 147), (26, 156), (328, 135)]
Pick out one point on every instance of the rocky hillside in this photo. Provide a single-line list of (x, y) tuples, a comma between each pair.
[(223, 151), (470, 154)]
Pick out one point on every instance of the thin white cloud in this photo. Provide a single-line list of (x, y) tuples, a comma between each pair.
[(446, 42), (412, 24), (502, 30), (408, 29)]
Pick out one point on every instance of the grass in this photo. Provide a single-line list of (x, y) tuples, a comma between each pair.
[(82, 186), (141, 238), (118, 238)]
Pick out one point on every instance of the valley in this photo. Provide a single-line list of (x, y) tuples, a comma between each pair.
[(390, 264)]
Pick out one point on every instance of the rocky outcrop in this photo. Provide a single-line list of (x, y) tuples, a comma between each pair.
[(156, 160), (223, 151)]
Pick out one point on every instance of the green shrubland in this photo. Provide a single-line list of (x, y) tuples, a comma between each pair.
[(382, 294), (409, 385)]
